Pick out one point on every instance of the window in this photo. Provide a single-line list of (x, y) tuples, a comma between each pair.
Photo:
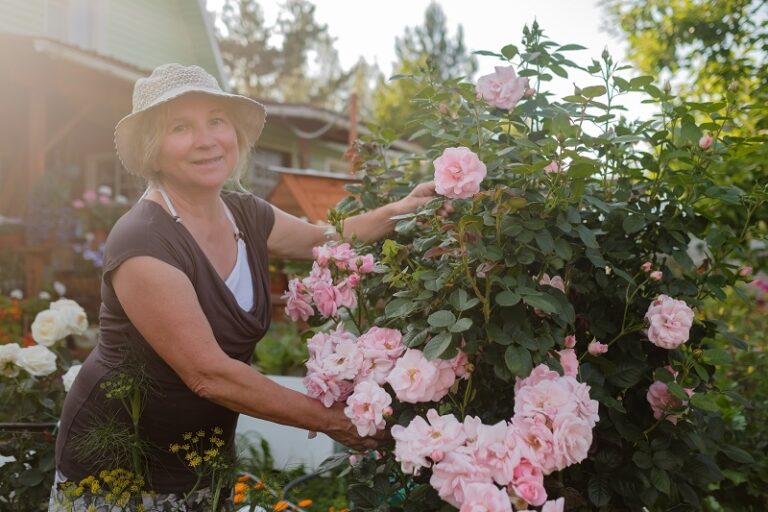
[(78, 22), (261, 180), (105, 170)]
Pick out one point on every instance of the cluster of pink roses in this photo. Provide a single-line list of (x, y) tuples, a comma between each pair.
[(343, 367), (669, 321), (503, 465), (319, 289)]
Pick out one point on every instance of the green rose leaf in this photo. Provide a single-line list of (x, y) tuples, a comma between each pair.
[(507, 298), (737, 454), (543, 302), (518, 361), (443, 318), (463, 324), (437, 345), (660, 480), (599, 490)]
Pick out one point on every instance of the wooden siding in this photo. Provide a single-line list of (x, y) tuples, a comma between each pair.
[(23, 16)]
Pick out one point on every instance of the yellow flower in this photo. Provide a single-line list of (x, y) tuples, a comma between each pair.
[(195, 462), (200, 433), (217, 430), (304, 503), (174, 448), (91, 508), (187, 436), (280, 505)]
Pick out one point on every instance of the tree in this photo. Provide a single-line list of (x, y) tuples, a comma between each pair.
[(428, 47), (302, 67)]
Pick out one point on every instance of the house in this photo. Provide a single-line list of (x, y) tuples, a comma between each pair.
[(72, 65)]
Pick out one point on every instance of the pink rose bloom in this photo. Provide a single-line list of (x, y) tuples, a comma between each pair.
[(569, 361), (322, 255), (596, 348), (89, 196), (552, 168), (555, 282), (342, 254), (573, 437), (364, 264), (105, 200), (656, 275), (530, 491), (454, 473), (662, 402), (537, 443), (485, 497), (647, 266), (585, 407), (705, 141), (345, 362), (502, 89), (495, 450), (422, 439), (444, 379), (745, 271), (540, 373), (297, 305), (325, 387), (529, 92), (550, 398), (557, 505), (326, 298), (78, 204), (458, 173), (317, 275), (346, 296), (354, 280), (381, 348), (414, 378), (459, 365), (570, 341), (366, 408), (670, 322)]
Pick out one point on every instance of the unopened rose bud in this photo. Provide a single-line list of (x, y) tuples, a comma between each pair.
[(596, 348), (529, 92), (570, 341), (576, 90), (387, 412), (436, 455), (667, 87), (552, 168), (605, 55), (745, 271), (657, 275), (706, 141), (354, 280), (469, 367), (443, 109), (698, 353), (608, 270), (647, 266)]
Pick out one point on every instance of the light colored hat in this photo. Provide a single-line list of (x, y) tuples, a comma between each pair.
[(167, 82)]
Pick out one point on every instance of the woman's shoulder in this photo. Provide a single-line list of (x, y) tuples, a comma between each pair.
[(253, 211)]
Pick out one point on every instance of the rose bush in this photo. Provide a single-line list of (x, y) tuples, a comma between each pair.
[(579, 232)]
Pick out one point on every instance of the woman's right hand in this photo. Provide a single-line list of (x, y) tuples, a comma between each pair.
[(341, 430)]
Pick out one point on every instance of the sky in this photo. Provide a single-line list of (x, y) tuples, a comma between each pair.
[(368, 28)]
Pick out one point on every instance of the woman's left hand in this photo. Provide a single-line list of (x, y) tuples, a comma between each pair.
[(418, 197)]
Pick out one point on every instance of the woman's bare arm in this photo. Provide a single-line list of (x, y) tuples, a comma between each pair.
[(161, 302)]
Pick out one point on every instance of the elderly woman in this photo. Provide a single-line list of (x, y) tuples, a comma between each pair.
[(185, 295)]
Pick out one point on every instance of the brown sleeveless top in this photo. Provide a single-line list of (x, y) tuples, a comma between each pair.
[(170, 407)]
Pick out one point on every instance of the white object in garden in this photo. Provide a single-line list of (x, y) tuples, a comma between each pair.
[(289, 446)]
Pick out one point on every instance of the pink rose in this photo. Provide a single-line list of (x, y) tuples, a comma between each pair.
[(495, 450), (381, 347), (297, 305), (366, 408), (705, 141), (485, 497), (555, 282), (647, 266), (318, 274), (322, 255), (557, 505), (354, 280), (549, 398), (345, 362), (326, 298), (745, 271), (414, 378), (364, 264), (458, 173), (342, 255), (656, 275), (569, 361), (89, 196), (529, 92), (670, 322), (572, 438), (502, 89), (569, 341), (345, 295), (540, 373), (78, 204), (552, 168), (662, 402), (537, 443), (531, 491), (422, 439), (454, 473), (325, 387), (105, 200), (596, 348)]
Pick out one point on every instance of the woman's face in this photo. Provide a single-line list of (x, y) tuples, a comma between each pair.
[(199, 144)]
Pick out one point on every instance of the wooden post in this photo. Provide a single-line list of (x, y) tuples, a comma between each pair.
[(352, 132)]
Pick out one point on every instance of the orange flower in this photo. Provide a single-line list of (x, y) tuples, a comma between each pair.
[(305, 503), (241, 488), (239, 498), (258, 486), (280, 505), (244, 478)]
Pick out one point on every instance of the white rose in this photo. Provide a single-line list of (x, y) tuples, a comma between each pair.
[(8, 354), (104, 190), (74, 314), (44, 295), (59, 288), (37, 360), (16, 294), (49, 327), (69, 377)]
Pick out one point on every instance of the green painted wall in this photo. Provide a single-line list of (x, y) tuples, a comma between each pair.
[(23, 16)]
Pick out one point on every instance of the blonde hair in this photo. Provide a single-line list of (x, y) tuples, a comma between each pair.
[(152, 128)]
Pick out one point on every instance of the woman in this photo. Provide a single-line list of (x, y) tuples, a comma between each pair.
[(185, 294)]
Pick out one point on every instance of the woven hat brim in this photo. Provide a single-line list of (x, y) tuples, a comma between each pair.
[(251, 116)]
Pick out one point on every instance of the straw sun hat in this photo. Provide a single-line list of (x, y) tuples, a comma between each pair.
[(168, 82)]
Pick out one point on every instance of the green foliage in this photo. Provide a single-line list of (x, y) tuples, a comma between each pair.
[(627, 193), (426, 47), (281, 351)]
